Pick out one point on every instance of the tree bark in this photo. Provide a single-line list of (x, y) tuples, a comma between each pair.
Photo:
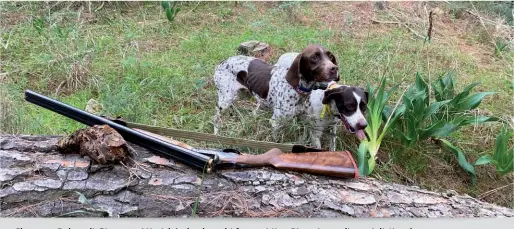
[(36, 181)]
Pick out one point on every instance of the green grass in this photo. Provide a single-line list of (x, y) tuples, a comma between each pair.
[(153, 71)]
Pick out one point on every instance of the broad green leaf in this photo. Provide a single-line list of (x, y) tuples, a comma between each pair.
[(169, 14), (464, 93), (486, 159), (439, 129), (506, 166), (433, 108), (472, 101), (443, 88), (165, 5), (404, 139), (476, 120), (461, 158), (503, 156), (449, 84), (501, 144), (438, 94), (421, 85), (386, 112), (362, 153)]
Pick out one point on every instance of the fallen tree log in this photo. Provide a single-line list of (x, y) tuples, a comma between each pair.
[(36, 181)]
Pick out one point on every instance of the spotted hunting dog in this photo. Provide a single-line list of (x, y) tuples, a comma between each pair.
[(283, 90)]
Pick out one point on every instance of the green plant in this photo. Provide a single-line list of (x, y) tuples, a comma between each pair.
[(423, 120), (458, 104), (503, 157), (62, 33), (500, 45), (171, 10), (375, 119), (416, 124), (39, 24)]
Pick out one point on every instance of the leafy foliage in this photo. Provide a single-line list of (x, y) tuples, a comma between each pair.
[(458, 104), (503, 157), (417, 118), (171, 10), (423, 120), (376, 108)]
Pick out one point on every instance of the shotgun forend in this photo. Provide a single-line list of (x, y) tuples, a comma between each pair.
[(330, 163)]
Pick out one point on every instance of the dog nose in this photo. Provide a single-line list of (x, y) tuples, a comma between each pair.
[(334, 69), (362, 124)]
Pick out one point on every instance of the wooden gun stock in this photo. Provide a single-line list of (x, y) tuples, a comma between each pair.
[(337, 164)]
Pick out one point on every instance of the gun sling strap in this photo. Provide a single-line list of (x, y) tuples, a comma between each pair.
[(176, 133)]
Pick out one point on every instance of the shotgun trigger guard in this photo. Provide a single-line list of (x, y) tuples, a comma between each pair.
[(231, 151), (305, 149)]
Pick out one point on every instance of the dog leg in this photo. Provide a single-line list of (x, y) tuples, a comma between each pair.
[(217, 120), (225, 100), (275, 129), (279, 117), (316, 133), (257, 107), (333, 138)]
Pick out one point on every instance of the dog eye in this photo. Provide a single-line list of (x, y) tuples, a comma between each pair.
[(363, 107), (315, 57)]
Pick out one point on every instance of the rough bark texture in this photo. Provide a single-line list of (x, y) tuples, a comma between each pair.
[(36, 181)]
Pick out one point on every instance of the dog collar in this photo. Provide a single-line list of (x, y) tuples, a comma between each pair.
[(302, 90)]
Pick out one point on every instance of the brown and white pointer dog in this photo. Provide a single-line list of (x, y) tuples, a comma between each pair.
[(326, 107), (283, 90)]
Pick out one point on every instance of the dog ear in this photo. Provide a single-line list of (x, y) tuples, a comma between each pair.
[(304, 67), (328, 96), (294, 71), (366, 93), (333, 59), (331, 94)]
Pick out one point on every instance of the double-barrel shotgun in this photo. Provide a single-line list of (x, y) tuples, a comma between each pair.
[(328, 163)]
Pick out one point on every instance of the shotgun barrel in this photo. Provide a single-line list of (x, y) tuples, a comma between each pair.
[(183, 155)]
